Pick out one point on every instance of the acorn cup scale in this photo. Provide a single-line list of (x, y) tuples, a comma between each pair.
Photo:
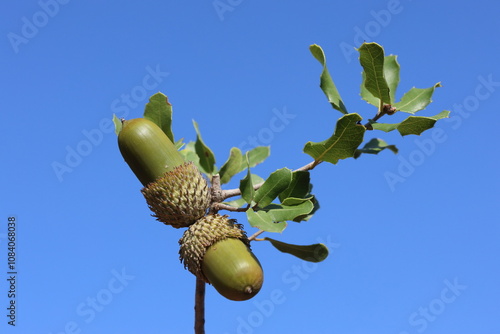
[(175, 190)]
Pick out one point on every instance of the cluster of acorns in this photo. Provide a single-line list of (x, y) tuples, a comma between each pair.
[(214, 248)]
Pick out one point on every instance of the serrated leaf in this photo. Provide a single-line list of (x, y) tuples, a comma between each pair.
[(232, 166), (386, 127), (261, 220), (118, 124), (205, 154), (311, 253), (299, 187), (375, 146), (415, 125), (416, 99), (326, 81), (371, 58), (276, 183), (391, 74), (280, 213), (412, 125), (159, 111), (348, 135), (246, 186), (256, 156)]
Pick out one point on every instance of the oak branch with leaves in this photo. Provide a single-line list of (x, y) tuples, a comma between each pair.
[(214, 247)]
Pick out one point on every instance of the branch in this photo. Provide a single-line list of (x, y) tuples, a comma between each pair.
[(199, 307)]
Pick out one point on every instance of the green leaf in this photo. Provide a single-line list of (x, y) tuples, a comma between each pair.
[(118, 124), (289, 201), (256, 156), (415, 125), (299, 187), (348, 135), (311, 253), (159, 111), (232, 166), (391, 74), (375, 146), (326, 82), (237, 203), (416, 99), (205, 154), (281, 213), (256, 179), (263, 221), (276, 183), (246, 186), (315, 202), (386, 127), (371, 57)]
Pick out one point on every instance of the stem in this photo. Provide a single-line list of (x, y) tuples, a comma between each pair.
[(256, 234), (199, 307)]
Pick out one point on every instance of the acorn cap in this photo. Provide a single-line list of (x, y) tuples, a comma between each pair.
[(180, 197)]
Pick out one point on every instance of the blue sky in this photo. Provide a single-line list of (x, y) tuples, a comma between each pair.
[(419, 255)]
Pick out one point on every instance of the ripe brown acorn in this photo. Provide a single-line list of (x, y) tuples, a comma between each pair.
[(217, 250)]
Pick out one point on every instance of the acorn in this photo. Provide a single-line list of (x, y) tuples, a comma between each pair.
[(217, 250), (175, 190)]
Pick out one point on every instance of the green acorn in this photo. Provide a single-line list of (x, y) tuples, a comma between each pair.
[(175, 190), (217, 250)]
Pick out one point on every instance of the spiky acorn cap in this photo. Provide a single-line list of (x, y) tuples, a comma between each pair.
[(204, 233), (180, 197)]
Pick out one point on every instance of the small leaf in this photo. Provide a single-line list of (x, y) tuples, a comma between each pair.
[(276, 183), (386, 127), (256, 156), (348, 135), (232, 166), (261, 220), (416, 99), (289, 201), (246, 186), (299, 187), (371, 57), (326, 82), (237, 203), (375, 146), (205, 154), (311, 253), (415, 125), (256, 179), (280, 213), (118, 124), (159, 111)]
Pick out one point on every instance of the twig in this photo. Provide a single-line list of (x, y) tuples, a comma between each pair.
[(256, 234), (221, 206), (199, 307)]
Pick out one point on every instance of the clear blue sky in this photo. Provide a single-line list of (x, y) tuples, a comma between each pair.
[(419, 256)]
